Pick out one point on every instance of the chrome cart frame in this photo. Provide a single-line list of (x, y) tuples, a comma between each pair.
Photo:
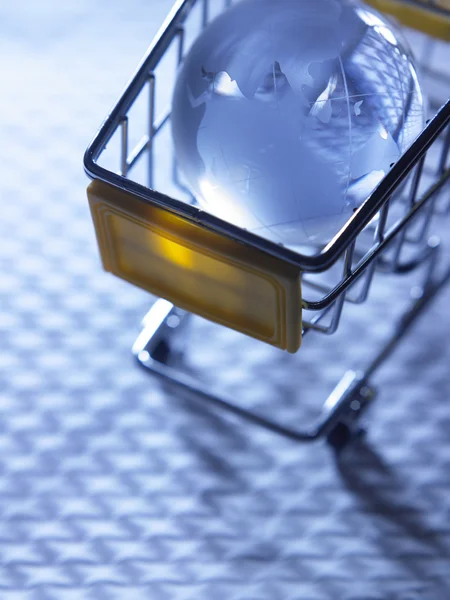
[(399, 244)]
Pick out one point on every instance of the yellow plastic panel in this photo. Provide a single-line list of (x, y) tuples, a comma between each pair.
[(196, 269), (414, 15)]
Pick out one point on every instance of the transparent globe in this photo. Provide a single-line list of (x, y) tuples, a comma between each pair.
[(287, 114)]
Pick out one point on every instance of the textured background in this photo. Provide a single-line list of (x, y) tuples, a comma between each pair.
[(114, 487)]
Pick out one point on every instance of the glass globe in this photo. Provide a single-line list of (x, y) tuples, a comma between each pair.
[(287, 114)]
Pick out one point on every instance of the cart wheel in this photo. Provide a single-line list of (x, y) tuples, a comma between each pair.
[(343, 435), (162, 352)]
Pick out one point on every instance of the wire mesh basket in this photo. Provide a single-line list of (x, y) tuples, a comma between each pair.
[(136, 175)]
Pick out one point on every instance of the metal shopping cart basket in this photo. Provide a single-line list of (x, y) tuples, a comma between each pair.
[(199, 264)]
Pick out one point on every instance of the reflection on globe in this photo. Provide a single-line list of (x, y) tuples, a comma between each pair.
[(288, 113)]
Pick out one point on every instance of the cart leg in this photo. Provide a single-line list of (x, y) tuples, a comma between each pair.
[(160, 324)]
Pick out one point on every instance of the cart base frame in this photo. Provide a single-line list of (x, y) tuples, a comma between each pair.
[(340, 420)]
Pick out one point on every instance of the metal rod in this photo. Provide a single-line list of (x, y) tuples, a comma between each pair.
[(433, 251), (151, 124), (364, 292), (382, 221), (416, 180), (181, 36), (427, 214), (428, 211), (412, 199), (124, 147), (444, 153), (137, 152), (347, 270), (160, 124)]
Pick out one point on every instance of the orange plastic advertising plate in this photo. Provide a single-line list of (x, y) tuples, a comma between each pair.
[(419, 14), (196, 269)]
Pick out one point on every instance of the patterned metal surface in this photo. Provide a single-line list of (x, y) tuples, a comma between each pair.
[(115, 487)]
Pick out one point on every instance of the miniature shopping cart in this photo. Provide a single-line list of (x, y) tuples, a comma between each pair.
[(157, 238)]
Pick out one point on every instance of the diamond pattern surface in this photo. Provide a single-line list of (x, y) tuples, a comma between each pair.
[(113, 486)]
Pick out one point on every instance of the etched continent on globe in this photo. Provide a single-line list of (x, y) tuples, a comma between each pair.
[(287, 113)]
